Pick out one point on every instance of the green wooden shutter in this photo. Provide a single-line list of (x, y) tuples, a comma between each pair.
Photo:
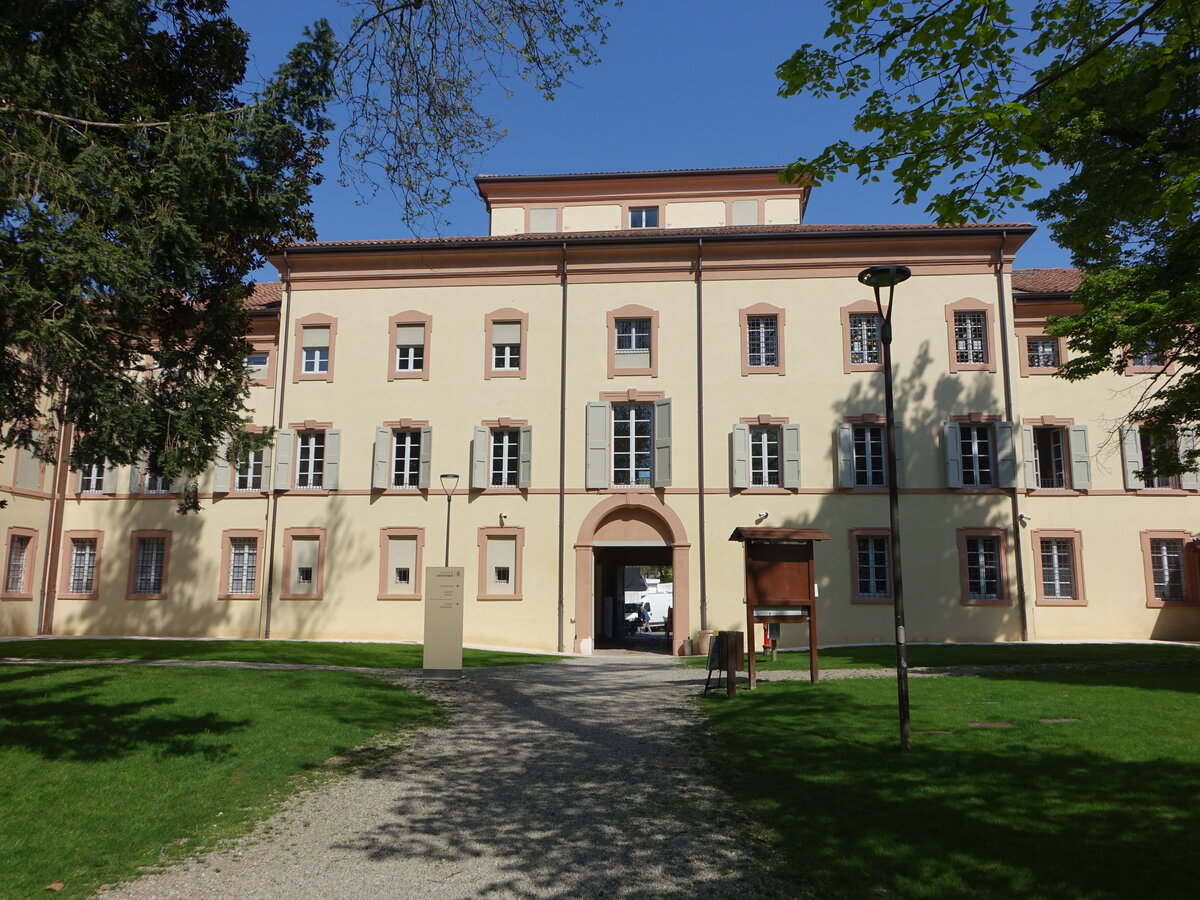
[(791, 456), (1028, 457), (662, 443), (426, 459), (333, 452), (221, 473), (479, 458), (1081, 459), (285, 440), (381, 460), (1006, 454), (845, 451), (525, 455), (739, 462), (596, 472), (952, 445)]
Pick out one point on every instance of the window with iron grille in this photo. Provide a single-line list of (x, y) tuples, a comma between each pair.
[(406, 458), (633, 443), (505, 457), (1058, 569), (970, 338), (764, 456), (864, 339), (14, 575), (869, 464), (83, 565), (250, 472), (762, 336), (91, 478), (975, 446), (1049, 457), (1166, 564), (151, 554), (983, 568), (1042, 352), (633, 335), (310, 459), (243, 565), (872, 567), (502, 574)]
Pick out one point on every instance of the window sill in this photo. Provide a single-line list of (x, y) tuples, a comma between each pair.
[(301, 596), (764, 489), (863, 490), (763, 370), (998, 601), (16, 596), (161, 596), (498, 489), (408, 597), (870, 601), (1161, 492), (402, 492), (309, 492), (866, 367), (1066, 603), (1042, 370), (1053, 492), (499, 597), (63, 595), (1173, 604)]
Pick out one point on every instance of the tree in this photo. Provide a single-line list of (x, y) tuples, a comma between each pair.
[(145, 184), (964, 105)]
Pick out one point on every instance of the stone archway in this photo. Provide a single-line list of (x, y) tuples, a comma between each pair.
[(635, 520)]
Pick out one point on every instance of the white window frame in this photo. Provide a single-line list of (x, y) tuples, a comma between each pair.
[(310, 460), (249, 473), (314, 360), (638, 216), (91, 478), (977, 449), (869, 443), (1058, 463), (506, 357), (983, 567), (84, 552), (762, 340), (623, 463), (1060, 582), (17, 568), (406, 459), (1042, 358), (1167, 570), (971, 337), (766, 455), (865, 346), (151, 565), (504, 457), (243, 566), (633, 335), (873, 573)]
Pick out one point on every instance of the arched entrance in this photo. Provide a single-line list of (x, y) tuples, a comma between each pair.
[(636, 527)]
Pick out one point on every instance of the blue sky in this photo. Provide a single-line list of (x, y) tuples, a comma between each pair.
[(682, 84)]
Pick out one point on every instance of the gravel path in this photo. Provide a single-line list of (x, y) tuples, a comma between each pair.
[(584, 779)]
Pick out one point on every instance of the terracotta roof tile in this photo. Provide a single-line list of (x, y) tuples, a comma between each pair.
[(1046, 281), (265, 294)]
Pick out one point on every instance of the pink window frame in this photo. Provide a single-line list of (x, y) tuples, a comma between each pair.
[(263, 344), (1024, 333), (507, 314), (1190, 556), (408, 317), (632, 311), (385, 535), (762, 309), (962, 534), (65, 592), (518, 575), (858, 307), (227, 537), (289, 536), (312, 321), (30, 555), (134, 538), (1076, 539), (970, 304)]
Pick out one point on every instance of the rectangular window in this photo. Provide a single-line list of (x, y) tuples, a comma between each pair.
[(257, 364), (983, 568), (243, 565), (16, 571), (1042, 352), (406, 458), (500, 552), (501, 576), (1152, 448), (869, 466), (82, 578), (633, 444), (505, 458), (1166, 566), (1058, 569), (403, 576), (315, 345), (643, 217), (864, 339), (1146, 358), (506, 346), (762, 336), (764, 456), (400, 550), (1049, 460), (633, 336), (91, 478), (872, 567), (410, 348), (303, 563), (304, 574), (975, 446), (310, 459), (970, 338), (250, 472), (151, 559)]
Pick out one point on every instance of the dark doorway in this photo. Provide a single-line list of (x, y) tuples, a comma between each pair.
[(609, 609)]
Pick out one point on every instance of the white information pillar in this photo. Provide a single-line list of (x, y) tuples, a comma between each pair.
[(443, 622)]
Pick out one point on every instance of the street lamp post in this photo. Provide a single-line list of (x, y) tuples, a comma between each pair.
[(877, 277), (449, 483)]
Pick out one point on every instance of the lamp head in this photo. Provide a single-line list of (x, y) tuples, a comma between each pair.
[(884, 276)]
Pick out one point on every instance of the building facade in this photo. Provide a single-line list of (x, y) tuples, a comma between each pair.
[(626, 369)]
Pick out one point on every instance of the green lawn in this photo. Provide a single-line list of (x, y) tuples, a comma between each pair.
[(379, 656), (881, 656), (105, 769), (1094, 792)]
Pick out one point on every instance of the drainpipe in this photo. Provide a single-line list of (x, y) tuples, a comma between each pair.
[(277, 415), (54, 529), (1002, 303), (700, 538), (562, 453)]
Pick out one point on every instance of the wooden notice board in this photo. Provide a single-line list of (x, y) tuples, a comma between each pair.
[(443, 622), (780, 583)]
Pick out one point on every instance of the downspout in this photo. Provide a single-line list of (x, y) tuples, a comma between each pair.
[(701, 541), (1014, 497), (54, 531), (277, 416), (562, 453)]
